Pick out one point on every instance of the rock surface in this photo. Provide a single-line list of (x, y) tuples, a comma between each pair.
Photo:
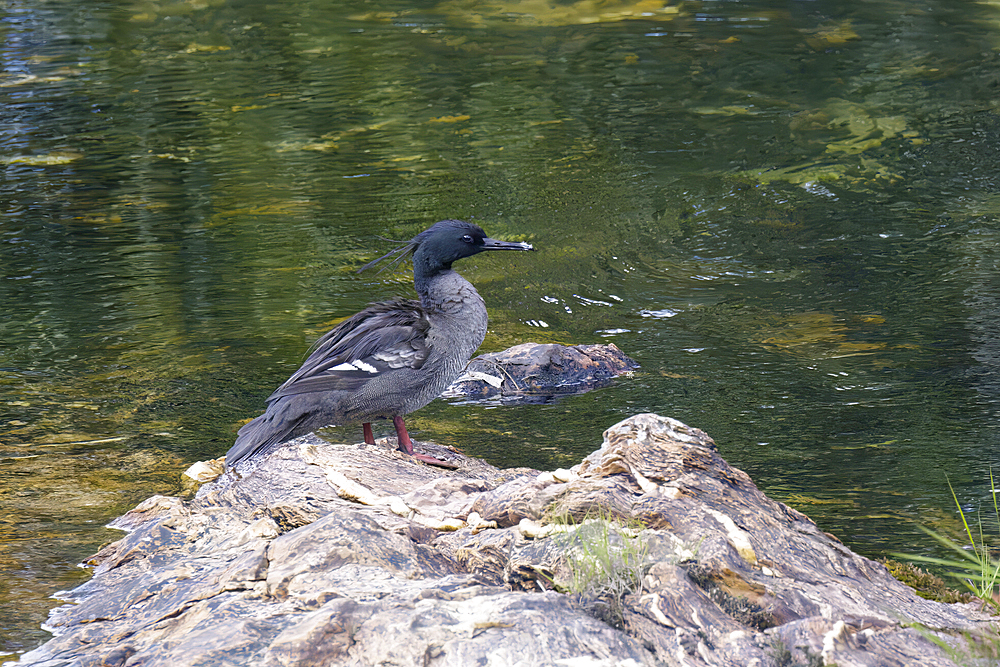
[(539, 372), (322, 554)]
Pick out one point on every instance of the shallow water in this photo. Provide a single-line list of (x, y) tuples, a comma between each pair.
[(788, 216)]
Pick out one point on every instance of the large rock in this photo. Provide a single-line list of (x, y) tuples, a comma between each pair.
[(324, 554)]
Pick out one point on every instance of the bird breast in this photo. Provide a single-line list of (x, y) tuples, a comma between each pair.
[(457, 316)]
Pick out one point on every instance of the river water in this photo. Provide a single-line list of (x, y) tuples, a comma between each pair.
[(787, 213)]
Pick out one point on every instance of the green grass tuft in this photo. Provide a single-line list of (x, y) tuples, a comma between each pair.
[(607, 558), (977, 568)]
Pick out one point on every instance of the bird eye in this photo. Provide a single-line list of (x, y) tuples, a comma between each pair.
[(467, 238)]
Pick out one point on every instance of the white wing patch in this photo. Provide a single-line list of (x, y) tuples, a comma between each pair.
[(356, 365)]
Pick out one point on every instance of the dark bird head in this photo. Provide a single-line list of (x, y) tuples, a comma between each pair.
[(435, 249)]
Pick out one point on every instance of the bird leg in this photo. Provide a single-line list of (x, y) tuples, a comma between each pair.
[(369, 436), (406, 445)]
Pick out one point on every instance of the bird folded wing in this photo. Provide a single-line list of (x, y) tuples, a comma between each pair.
[(374, 341)]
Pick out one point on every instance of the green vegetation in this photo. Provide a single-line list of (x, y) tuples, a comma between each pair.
[(977, 569), (925, 584), (974, 649), (606, 558)]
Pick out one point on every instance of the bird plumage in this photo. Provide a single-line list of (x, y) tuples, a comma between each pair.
[(382, 337), (391, 358)]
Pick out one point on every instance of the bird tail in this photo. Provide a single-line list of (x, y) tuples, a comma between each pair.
[(273, 427), (247, 442)]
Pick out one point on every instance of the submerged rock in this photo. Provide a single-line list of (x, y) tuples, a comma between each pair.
[(325, 554)]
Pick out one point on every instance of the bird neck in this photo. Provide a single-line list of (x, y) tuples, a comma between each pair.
[(457, 317), (426, 266), (446, 292)]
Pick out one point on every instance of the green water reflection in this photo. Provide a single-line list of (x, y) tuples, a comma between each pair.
[(787, 214)]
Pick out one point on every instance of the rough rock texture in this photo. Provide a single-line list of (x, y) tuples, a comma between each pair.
[(326, 554), (537, 372)]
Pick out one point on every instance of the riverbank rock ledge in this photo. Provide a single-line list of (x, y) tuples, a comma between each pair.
[(651, 551)]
